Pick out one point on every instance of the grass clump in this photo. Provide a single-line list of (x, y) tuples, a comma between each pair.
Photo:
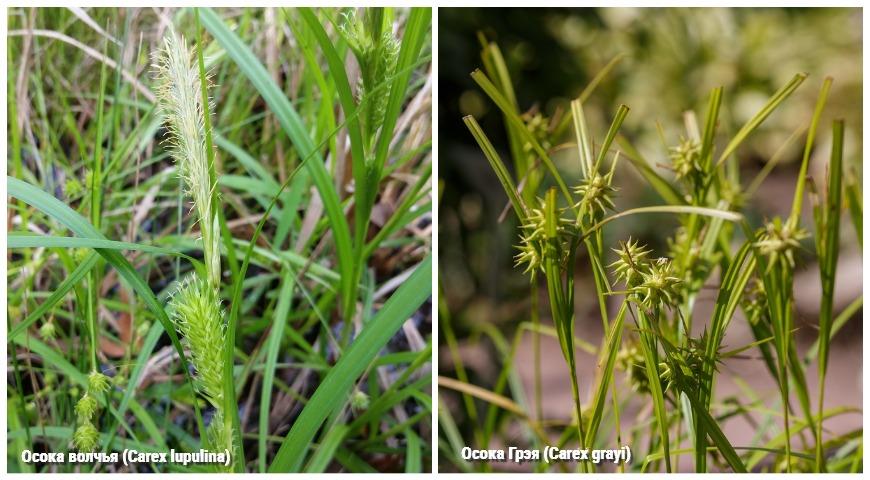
[(198, 217)]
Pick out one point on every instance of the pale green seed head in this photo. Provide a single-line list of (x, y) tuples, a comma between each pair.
[(536, 225), (179, 94), (377, 51), (535, 245), (539, 126), (86, 408), (630, 359), (196, 312), (530, 256), (778, 241), (142, 328), (754, 301), (359, 401), (659, 287), (47, 331), (80, 254), (97, 383), (595, 196), (685, 159), (86, 437), (631, 262), (666, 375)]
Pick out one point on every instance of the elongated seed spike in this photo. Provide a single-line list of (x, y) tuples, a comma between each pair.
[(180, 100), (195, 310)]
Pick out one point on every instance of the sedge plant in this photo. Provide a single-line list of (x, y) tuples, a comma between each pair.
[(667, 355), (183, 270), (196, 307)]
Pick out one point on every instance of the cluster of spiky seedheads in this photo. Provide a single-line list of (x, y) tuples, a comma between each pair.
[(536, 244), (539, 127), (665, 359), (651, 283), (596, 195), (195, 308), (779, 240), (86, 436), (686, 159)]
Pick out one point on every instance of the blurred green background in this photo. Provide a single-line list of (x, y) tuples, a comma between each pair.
[(672, 59)]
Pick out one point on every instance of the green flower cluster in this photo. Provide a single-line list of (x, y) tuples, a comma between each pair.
[(536, 243), (86, 435), (595, 196), (650, 283), (778, 241), (540, 127), (686, 159)]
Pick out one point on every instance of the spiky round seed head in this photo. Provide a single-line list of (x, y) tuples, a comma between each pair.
[(539, 126), (595, 195), (689, 262), (119, 380), (86, 408), (685, 158), (658, 287), (47, 331), (97, 383), (530, 255), (733, 195), (49, 378), (682, 246), (86, 437), (359, 401), (631, 262), (536, 222), (535, 246), (779, 240)]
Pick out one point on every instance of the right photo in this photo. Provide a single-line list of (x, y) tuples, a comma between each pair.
[(650, 240)]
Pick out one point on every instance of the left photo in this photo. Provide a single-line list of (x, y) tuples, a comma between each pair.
[(219, 240)]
